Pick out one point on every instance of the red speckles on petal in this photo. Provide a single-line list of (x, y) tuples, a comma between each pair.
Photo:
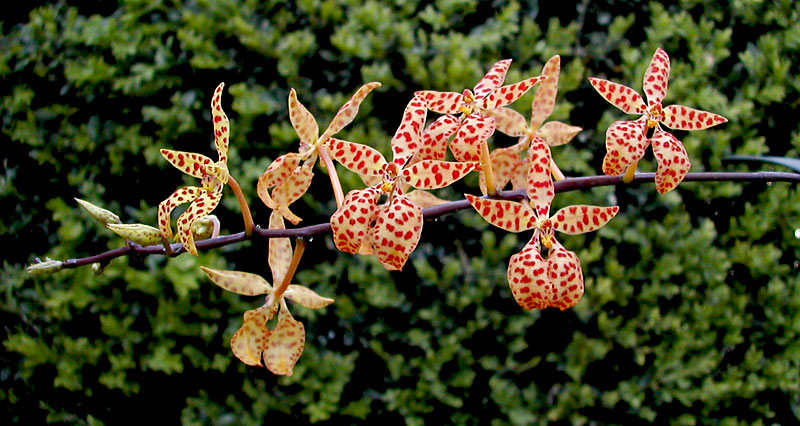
[(681, 117), (625, 144), (540, 190), (475, 130), (580, 219), (613, 92), (564, 271), (493, 79), (393, 250), (441, 102), (656, 78), (285, 345), (673, 161), (494, 211), (508, 94), (528, 279), (359, 158), (351, 221), (408, 137)]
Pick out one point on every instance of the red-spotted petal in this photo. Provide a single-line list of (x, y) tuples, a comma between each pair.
[(509, 215), (505, 163), (165, 208), (475, 130), (397, 232), (493, 79), (509, 121), (348, 111), (510, 93), (545, 100), (285, 344), (527, 277), (579, 219), (221, 124), (306, 297), (680, 117), (303, 122), (435, 137), (280, 250), (556, 133), (351, 222), (291, 189), (540, 189), (201, 206), (441, 102), (656, 78), (621, 96), (434, 174), (249, 341), (191, 163), (239, 282), (566, 275), (625, 144), (407, 139), (362, 159), (277, 173), (673, 161)]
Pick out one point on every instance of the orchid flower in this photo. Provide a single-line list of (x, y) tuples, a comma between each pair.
[(392, 230), (255, 343), (626, 140), (487, 96), (510, 163), (213, 177), (478, 107), (558, 282), (286, 174)]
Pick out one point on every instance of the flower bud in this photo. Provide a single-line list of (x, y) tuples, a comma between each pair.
[(100, 214), (137, 232), (49, 266)]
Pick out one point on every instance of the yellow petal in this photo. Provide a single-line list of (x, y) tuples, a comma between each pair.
[(249, 341), (285, 344), (306, 297), (239, 282)]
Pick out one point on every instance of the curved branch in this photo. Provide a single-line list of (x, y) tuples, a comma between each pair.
[(568, 184)]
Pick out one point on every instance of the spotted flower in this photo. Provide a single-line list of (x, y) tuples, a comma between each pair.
[(213, 177), (390, 231), (255, 343), (626, 141), (534, 282), (291, 179), (487, 96), (510, 163)]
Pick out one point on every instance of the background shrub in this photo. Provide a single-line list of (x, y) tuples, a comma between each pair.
[(692, 303)]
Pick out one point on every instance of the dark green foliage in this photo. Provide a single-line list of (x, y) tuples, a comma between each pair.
[(692, 310)]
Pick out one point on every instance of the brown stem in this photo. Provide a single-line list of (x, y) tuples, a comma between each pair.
[(248, 217), (568, 184), (300, 247), (334, 176)]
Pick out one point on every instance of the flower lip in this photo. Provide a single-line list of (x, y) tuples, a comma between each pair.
[(655, 115)]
